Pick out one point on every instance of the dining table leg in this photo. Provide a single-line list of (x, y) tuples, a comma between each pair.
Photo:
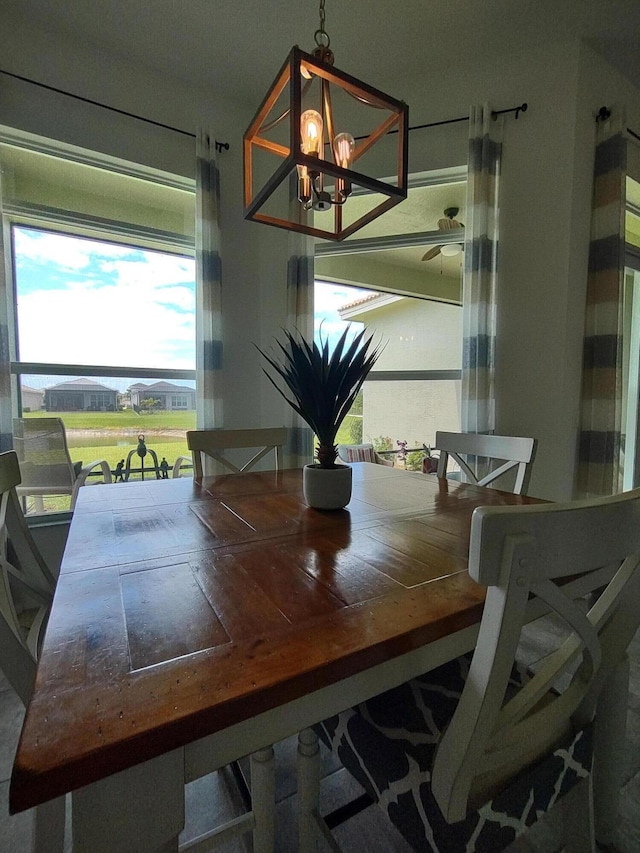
[(308, 789), (139, 810), (48, 831), (263, 800), (610, 751)]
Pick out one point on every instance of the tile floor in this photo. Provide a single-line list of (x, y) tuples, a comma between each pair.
[(215, 797)]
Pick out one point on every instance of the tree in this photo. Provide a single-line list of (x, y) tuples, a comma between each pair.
[(149, 405)]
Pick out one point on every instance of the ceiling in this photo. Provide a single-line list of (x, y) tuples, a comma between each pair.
[(238, 45)]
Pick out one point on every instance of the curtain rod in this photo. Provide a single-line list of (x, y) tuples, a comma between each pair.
[(220, 146), (604, 113), (522, 108)]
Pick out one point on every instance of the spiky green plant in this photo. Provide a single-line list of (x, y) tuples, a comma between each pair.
[(323, 384)]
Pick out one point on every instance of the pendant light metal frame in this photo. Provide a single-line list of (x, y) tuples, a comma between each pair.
[(397, 121)]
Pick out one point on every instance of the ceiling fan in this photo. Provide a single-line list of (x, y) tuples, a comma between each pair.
[(447, 224)]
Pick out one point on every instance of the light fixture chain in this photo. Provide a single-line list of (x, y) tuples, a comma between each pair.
[(321, 36)]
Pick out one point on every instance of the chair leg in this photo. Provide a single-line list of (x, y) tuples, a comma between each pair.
[(578, 825), (609, 751)]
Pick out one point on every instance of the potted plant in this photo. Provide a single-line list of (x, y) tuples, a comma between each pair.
[(321, 385), (429, 462)]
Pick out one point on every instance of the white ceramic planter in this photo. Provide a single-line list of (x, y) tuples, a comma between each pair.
[(327, 488)]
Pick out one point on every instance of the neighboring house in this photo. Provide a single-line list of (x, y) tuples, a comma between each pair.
[(417, 335), (171, 397), (32, 398), (80, 395)]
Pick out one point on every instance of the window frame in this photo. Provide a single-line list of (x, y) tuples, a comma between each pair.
[(69, 223)]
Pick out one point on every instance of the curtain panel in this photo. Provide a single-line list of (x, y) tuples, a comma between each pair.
[(300, 279), (600, 451), (6, 408), (480, 272), (209, 350)]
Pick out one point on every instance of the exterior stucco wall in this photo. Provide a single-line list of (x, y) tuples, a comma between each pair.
[(417, 335)]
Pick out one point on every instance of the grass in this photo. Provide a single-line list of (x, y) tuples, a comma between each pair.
[(116, 436), (122, 420), (113, 454)]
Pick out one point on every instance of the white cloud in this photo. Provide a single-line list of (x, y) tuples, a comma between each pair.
[(68, 253), (135, 308), (89, 326)]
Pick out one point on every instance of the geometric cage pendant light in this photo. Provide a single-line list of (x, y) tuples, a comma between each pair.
[(325, 153)]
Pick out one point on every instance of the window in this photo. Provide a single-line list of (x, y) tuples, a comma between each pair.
[(413, 306), (103, 302), (631, 335)]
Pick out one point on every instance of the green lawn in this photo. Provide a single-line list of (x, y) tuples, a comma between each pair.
[(122, 420), (170, 450)]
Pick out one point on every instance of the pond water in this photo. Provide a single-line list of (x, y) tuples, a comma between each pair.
[(107, 438)]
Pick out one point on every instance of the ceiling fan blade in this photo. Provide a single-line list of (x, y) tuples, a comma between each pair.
[(432, 253), (449, 224)]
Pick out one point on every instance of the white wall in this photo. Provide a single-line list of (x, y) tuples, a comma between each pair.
[(544, 224)]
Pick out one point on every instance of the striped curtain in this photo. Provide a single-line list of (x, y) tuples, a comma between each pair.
[(209, 356), (480, 272), (300, 279), (6, 421), (600, 460)]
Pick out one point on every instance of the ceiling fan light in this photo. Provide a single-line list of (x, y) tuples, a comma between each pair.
[(450, 250)]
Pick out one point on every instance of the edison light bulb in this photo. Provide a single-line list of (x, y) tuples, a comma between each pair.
[(304, 185), (311, 132), (343, 147)]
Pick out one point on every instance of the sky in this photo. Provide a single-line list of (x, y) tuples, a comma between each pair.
[(328, 298), (84, 301)]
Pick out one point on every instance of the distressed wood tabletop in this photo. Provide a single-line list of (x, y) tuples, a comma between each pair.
[(184, 608)]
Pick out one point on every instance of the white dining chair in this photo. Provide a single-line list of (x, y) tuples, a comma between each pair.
[(477, 454), (467, 756), (212, 443), (26, 592)]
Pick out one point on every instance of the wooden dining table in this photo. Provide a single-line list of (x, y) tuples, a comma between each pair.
[(195, 623)]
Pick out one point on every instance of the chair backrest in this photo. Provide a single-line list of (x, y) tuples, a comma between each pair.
[(26, 586), (45, 464), (525, 555), (211, 442), (361, 453), (515, 452)]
